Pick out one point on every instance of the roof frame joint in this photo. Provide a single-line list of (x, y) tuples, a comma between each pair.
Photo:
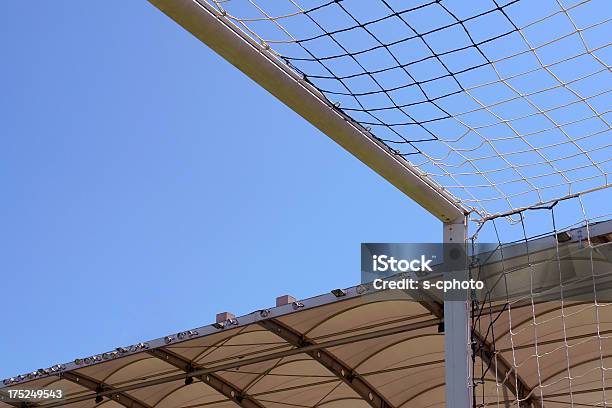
[(341, 370), (100, 387), (215, 381)]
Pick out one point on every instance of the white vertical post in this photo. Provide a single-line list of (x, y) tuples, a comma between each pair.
[(457, 348)]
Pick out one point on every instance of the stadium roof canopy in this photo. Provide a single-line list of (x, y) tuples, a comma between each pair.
[(350, 348)]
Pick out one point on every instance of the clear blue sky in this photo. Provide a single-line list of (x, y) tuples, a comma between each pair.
[(147, 184)]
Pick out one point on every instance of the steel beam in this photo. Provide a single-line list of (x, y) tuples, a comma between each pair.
[(503, 371), (99, 387), (213, 380), (345, 373), (226, 39)]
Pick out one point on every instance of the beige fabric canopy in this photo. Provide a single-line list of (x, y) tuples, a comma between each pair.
[(353, 348)]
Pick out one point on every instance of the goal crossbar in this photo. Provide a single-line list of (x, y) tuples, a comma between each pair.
[(254, 60)]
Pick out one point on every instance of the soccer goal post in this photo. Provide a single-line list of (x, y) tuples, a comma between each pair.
[(494, 117)]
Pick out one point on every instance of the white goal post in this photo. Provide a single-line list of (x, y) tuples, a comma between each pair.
[(212, 28)]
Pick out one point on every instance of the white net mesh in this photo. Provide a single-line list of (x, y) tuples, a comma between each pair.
[(505, 104), (543, 330)]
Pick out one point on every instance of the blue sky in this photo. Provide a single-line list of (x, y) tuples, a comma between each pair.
[(147, 185)]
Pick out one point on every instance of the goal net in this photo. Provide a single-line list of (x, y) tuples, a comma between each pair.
[(503, 103)]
